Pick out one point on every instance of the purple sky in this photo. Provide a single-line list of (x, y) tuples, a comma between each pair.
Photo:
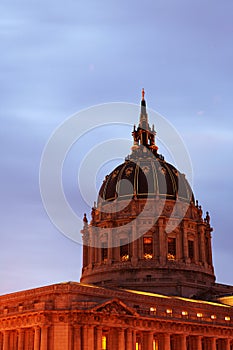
[(60, 57)]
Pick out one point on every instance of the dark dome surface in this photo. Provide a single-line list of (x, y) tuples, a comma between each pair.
[(145, 176), (145, 173)]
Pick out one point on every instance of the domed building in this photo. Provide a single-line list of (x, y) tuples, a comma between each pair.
[(147, 280), (147, 232)]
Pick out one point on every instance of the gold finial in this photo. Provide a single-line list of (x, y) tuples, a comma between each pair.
[(143, 94)]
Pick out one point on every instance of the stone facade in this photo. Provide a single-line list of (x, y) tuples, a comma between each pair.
[(147, 280), (75, 316)]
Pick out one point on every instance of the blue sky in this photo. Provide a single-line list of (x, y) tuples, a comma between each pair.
[(60, 57)]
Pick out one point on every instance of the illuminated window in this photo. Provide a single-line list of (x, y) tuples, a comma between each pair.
[(155, 344), (104, 342), (213, 317), (191, 250), (148, 247), (184, 313), (169, 311), (171, 248), (199, 315), (227, 318), (124, 249), (152, 310), (138, 343), (104, 251)]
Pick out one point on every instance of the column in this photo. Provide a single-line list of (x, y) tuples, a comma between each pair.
[(213, 343), (185, 245), (44, 338), (134, 338), (210, 262), (20, 339), (150, 337), (162, 242), (134, 245), (90, 338), (85, 338), (183, 342), (166, 342), (5, 340), (110, 246), (202, 238), (129, 339), (199, 342), (37, 338), (121, 339), (98, 338), (77, 338), (227, 344)]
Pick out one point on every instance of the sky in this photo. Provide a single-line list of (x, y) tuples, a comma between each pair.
[(61, 57)]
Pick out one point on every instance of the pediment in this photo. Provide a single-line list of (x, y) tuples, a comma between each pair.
[(115, 307)]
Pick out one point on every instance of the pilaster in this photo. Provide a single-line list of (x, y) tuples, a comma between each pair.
[(37, 338)]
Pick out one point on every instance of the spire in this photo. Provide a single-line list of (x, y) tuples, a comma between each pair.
[(143, 116), (144, 135)]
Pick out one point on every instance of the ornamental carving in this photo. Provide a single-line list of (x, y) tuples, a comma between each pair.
[(114, 308)]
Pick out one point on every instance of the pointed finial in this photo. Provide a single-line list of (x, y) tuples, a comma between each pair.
[(85, 219), (143, 94)]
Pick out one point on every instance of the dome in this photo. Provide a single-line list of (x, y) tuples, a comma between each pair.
[(145, 176), (146, 233), (145, 173)]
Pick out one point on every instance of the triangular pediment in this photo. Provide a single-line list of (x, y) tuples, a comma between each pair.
[(115, 306)]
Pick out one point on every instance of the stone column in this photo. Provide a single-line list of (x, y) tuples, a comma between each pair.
[(134, 258), (20, 339), (110, 246), (210, 262), (183, 345), (202, 238), (77, 338), (121, 339), (166, 342), (213, 343), (198, 342), (227, 344), (37, 338), (162, 242), (44, 338), (129, 339), (185, 245), (134, 336), (150, 337), (85, 338), (98, 338), (90, 338), (6, 340)]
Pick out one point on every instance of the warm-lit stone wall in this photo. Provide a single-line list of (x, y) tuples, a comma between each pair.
[(73, 316)]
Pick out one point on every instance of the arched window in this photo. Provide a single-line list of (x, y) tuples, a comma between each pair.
[(171, 248), (124, 249), (191, 249), (148, 247), (104, 251)]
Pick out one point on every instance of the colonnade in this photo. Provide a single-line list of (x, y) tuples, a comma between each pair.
[(35, 338), (90, 337)]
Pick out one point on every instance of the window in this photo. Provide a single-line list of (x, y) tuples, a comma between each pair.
[(104, 342), (124, 249), (171, 250), (191, 250), (104, 251), (148, 247), (155, 344), (138, 343)]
